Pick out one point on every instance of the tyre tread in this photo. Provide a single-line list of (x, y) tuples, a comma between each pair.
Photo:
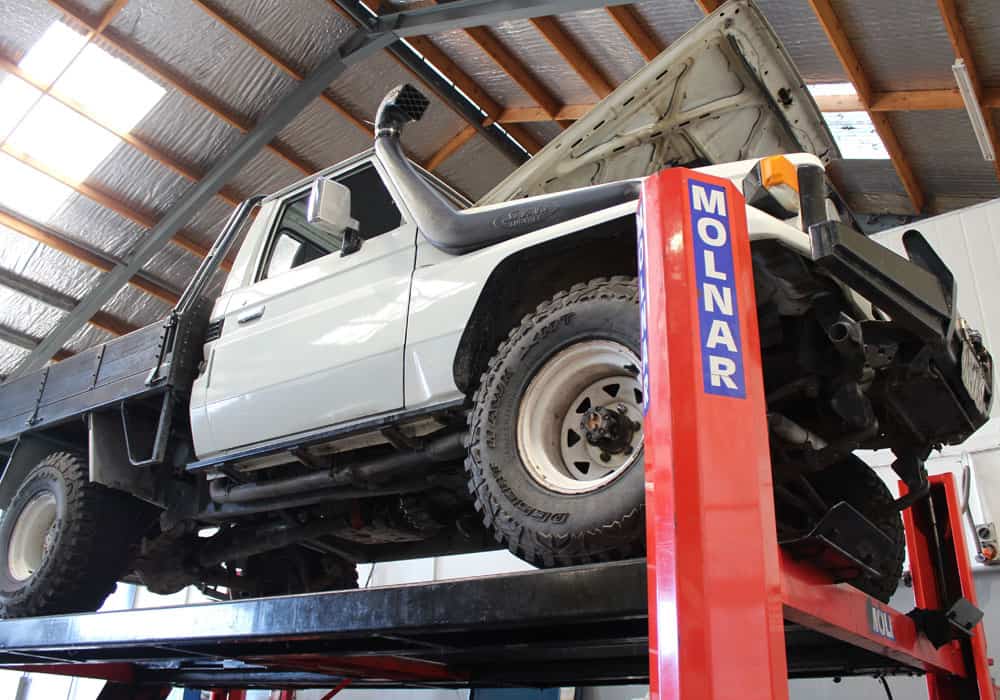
[(620, 538)]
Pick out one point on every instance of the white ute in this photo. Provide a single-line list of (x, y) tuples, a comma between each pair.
[(393, 371)]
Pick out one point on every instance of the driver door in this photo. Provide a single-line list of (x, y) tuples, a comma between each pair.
[(317, 339)]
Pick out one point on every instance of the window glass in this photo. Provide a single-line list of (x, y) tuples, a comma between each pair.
[(296, 242), (371, 204)]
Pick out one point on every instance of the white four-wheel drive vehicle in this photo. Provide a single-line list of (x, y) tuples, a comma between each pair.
[(391, 371)]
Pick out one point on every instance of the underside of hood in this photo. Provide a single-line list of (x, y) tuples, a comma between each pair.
[(724, 91)]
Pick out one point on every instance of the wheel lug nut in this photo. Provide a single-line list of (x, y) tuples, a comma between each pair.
[(605, 456)]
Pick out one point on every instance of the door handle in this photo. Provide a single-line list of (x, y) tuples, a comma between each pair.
[(251, 315)]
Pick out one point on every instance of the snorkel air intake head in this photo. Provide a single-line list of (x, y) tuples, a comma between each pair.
[(403, 104)]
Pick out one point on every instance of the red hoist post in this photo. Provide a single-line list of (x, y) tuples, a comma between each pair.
[(720, 591), (715, 610)]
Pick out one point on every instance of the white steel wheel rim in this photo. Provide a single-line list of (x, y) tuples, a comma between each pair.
[(590, 374), (31, 536)]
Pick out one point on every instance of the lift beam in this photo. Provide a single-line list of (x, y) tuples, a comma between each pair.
[(716, 611)]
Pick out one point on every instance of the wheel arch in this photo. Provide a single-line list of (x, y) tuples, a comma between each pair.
[(529, 276)]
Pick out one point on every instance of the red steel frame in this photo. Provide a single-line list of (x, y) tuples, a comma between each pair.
[(719, 589)]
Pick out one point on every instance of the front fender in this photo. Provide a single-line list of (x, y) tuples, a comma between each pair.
[(445, 291)]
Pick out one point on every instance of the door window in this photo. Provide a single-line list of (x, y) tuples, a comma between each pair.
[(296, 242)]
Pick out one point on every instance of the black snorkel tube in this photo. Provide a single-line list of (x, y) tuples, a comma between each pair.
[(460, 231)]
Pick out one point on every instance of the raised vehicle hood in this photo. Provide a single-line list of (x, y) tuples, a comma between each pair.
[(724, 91)]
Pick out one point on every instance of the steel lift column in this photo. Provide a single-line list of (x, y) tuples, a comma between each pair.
[(715, 615), (730, 615)]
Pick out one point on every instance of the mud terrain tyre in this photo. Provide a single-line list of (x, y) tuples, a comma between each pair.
[(853, 481), (552, 492), (64, 541)]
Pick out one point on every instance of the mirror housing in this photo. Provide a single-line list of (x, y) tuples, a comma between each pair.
[(329, 207)]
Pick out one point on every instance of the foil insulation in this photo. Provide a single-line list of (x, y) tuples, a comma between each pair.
[(102, 228), (668, 20), (10, 357), (860, 175), (87, 337), (796, 25), (491, 167), (982, 27), (92, 8), (204, 53), (24, 22), (187, 131), (473, 61), (543, 131), (544, 62), (62, 273), (302, 32), (324, 134), (603, 42), (917, 53), (361, 88), (951, 162)]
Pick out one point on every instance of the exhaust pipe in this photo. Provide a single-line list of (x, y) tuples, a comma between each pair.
[(442, 449), (461, 231)]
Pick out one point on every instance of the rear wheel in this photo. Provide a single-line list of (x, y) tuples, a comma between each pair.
[(64, 541)]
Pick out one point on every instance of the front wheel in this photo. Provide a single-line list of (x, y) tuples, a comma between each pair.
[(555, 445)]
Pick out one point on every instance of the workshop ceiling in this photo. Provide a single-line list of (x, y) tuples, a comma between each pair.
[(110, 110)]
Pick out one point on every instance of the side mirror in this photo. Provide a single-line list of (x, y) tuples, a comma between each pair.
[(329, 209)]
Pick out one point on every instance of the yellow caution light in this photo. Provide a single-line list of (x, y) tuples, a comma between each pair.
[(773, 186)]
